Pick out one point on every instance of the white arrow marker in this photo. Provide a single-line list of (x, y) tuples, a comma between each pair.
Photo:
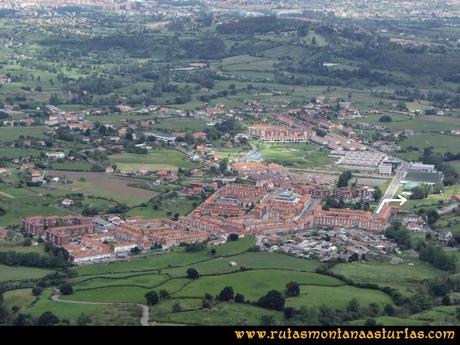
[(402, 200)]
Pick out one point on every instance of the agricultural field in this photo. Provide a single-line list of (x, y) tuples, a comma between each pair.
[(157, 159), (13, 133), (17, 273), (404, 277), (22, 202), (164, 208), (103, 186), (128, 282), (180, 124)]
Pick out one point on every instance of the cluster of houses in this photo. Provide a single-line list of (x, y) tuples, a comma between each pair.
[(331, 245)]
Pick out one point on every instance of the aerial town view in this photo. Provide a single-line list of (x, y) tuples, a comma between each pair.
[(230, 163)]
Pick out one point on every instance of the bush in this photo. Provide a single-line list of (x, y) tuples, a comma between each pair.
[(152, 298), (66, 289), (226, 294), (47, 319), (292, 289), (272, 300), (37, 290), (239, 298), (192, 273)]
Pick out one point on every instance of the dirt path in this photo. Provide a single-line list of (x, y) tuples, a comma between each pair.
[(9, 196), (144, 321)]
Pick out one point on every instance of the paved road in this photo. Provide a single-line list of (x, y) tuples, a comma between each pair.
[(393, 187), (144, 321)]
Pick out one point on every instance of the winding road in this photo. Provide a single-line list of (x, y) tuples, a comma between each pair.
[(144, 321)]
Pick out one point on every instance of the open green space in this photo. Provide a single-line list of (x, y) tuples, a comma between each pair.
[(16, 273), (157, 159), (14, 133), (294, 155)]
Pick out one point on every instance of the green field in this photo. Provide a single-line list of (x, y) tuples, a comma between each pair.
[(221, 314), (338, 297), (73, 166), (294, 155), (156, 159), (403, 277), (23, 202), (128, 282), (100, 314), (180, 124), (167, 208), (16, 273), (13, 133), (21, 298)]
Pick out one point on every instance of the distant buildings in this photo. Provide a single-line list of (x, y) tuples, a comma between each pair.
[(346, 218), (368, 160), (419, 173), (280, 133)]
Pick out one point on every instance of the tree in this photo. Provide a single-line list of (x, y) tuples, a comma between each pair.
[(223, 165), (389, 310), (292, 289), (27, 242), (377, 195), (289, 312), (176, 308), (226, 294), (418, 193), (152, 297), (385, 118), (192, 273), (370, 322), (83, 320), (164, 294), (353, 306), (272, 300), (66, 289), (267, 320), (37, 290), (344, 178), (374, 309), (232, 237), (239, 298), (47, 319)]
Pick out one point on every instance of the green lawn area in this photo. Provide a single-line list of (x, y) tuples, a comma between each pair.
[(440, 142), (157, 159), (385, 272), (294, 155), (22, 298), (179, 124), (21, 249), (337, 297), (13, 152), (274, 260), (220, 314), (73, 166), (22, 202), (402, 277), (168, 208), (13, 133), (254, 284), (391, 321), (438, 316), (99, 313), (16, 273)]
